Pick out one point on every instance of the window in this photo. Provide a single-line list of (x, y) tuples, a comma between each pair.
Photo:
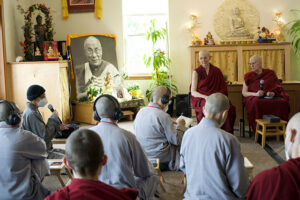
[(136, 19)]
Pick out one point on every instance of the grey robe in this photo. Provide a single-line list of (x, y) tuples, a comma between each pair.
[(158, 135), (127, 164), (23, 164), (33, 121), (212, 161)]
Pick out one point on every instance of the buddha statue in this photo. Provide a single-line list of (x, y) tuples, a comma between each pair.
[(50, 52), (209, 39), (237, 26), (37, 52), (40, 31)]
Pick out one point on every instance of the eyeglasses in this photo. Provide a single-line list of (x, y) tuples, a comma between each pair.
[(252, 63)]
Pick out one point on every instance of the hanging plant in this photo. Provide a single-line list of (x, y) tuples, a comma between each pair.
[(28, 45)]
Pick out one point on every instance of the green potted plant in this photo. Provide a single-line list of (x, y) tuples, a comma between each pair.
[(159, 61), (93, 92), (134, 90), (293, 28)]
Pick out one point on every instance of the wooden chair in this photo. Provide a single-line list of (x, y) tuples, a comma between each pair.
[(265, 128), (184, 184), (155, 163)]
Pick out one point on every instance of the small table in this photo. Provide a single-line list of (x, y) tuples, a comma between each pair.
[(266, 129), (56, 167), (59, 141), (155, 163)]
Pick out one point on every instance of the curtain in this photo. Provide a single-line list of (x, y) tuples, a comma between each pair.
[(272, 59), (226, 61)]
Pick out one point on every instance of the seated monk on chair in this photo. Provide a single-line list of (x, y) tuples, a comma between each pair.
[(263, 93), (206, 80)]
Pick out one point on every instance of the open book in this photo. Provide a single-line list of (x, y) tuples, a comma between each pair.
[(188, 121)]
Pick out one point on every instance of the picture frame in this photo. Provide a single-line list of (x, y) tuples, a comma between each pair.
[(81, 5), (78, 59), (50, 50)]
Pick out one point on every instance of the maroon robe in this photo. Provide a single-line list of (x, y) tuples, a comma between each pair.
[(92, 190), (282, 182), (257, 107), (208, 84)]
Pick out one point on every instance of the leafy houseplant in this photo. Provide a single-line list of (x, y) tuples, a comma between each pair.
[(159, 61), (134, 90), (294, 31), (93, 92)]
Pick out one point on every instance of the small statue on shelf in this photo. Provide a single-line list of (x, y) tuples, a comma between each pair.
[(209, 40), (37, 52), (107, 84), (60, 58), (50, 52), (40, 31)]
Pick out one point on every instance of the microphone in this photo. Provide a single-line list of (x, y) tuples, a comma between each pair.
[(52, 110), (261, 86)]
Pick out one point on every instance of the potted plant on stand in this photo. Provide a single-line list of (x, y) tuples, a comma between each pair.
[(160, 63)]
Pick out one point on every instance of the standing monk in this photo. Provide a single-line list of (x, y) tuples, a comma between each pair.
[(263, 93), (206, 80)]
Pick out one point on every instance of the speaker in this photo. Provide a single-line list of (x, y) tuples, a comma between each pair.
[(183, 106)]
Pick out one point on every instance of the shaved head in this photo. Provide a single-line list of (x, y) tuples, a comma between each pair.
[(216, 103), (105, 107), (256, 63), (5, 110), (204, 52), (256, 58), (84, 152), (158, 93), (292, 139)]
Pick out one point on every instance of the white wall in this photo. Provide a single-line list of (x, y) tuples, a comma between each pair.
[(111, 23)]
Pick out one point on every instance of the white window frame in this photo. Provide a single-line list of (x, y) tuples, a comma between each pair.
[(144, 75)]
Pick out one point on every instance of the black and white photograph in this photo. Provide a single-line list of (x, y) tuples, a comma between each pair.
[(94, 61)]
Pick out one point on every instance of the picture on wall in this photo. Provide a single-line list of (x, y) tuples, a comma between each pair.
[(81, 5), (94, 61)]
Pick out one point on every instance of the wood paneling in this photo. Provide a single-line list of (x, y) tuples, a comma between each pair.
[(47, 74)]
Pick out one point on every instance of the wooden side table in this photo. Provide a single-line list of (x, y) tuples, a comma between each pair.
[(56, 167), (266, 129), (59, 141), (155, 163)]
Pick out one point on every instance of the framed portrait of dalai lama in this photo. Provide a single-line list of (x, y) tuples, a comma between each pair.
[(94, 62)]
